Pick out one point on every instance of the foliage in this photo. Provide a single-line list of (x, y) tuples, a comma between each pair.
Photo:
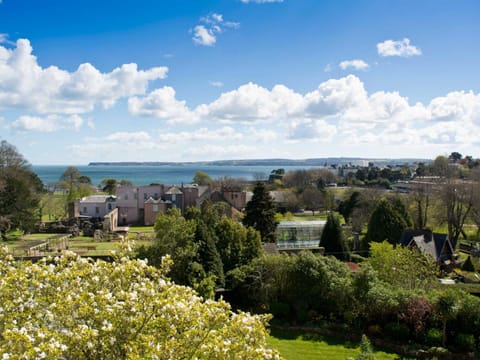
[(402, 267), (416, 314), (366, 352), (446, 306), (347, 206), (202, 178), (20, 190), (468, 265), (237, 244), (175, 237), (332, 238), (260, 213), (387, 222), (307, 282), (109, 186), (73, 308), (312, 199), (76, 184)]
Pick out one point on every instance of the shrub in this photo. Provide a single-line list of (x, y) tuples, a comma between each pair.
[(465, 342), (434, 337), (397, 331), (468, 265)]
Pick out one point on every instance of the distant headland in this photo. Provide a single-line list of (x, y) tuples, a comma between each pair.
[(328, 161)]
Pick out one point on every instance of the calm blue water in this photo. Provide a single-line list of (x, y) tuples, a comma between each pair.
[(162, 174)]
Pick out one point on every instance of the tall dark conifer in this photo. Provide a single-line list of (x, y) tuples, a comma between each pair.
[(260, 213), (332, 238)]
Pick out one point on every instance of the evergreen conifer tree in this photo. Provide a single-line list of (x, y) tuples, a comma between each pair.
[(332, 238), (260, 213)]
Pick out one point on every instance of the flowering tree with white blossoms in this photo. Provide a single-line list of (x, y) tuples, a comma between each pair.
[(75, 308)]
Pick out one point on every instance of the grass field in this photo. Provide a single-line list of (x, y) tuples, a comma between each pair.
[(295, 346)]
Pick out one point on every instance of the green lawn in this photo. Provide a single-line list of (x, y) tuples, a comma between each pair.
[(293, 346)]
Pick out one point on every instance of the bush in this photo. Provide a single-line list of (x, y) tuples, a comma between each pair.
[(468, 265), (465, 342), (434, 337), (397, 331)]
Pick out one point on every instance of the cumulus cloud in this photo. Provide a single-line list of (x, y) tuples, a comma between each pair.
[(355, 64), (49, 123), (252, 102), (337, 109), (203, 134), (162, 103), (24, 84), (205, 34), (401, 48)]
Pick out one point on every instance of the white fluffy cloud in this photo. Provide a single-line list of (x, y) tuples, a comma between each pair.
[(204, 36), (338, 108), (162, 103), (49, 123), (252, 102), (206, 33), (24, 84), (401, 48), (355, 64)]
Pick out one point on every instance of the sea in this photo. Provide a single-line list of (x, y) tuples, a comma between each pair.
[(159, 174)]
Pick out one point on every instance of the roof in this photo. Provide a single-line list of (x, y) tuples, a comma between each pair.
[(173, 190), (158, 201), (425, 240), (96, 199)]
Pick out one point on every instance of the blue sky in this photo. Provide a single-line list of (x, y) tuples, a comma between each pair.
[(235, 79)]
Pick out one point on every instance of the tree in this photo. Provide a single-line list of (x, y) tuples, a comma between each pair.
[(458, 198), (386, 223), (446, 307), (20, 190), (76, 184), (237, 244), (402, 267), (333, 239), (72, 308), (312, 199), (260, 213), (366, 352), (347, 206), (420, 196), (174, 236), (109, 186), (202, 178)]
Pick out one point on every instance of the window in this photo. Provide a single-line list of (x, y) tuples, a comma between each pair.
[(126, 196), (84, 209), (97, 210), (135, 196), (155, 208), (109, 206), (174, 197), (144, 196)]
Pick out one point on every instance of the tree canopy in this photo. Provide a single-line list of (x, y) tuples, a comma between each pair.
[(20, 190), (387, 222), (74, 308), (333, 239)]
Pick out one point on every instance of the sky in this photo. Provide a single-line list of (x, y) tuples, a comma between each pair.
[(177, 80)]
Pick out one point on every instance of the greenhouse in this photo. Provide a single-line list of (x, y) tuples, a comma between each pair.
[(299, 234)]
